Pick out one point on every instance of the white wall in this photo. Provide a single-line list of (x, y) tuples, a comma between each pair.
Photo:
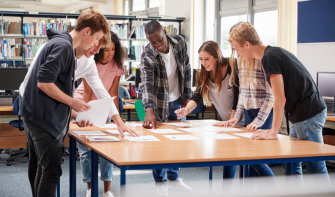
[(317, 57), (198, 29), (107, 8)]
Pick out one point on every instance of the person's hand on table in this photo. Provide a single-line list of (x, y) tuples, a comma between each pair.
[(181, 113), (264, 135), (184, 102), (251, 127), (123, 128), (79, 105), (232, 122), (83, 123), (149, 120)]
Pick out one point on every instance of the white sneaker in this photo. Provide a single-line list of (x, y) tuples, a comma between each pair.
[(162, 190), (88, 193), (108, 194), (180, 185)]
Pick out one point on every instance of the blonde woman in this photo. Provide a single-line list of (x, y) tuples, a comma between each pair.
[(293, 88)]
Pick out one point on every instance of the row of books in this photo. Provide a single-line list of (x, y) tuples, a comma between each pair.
[(9, 51), (136, 52), (31, 46), (39, 29), (170, 29), (121, 30), (137, 32), (7, 27)]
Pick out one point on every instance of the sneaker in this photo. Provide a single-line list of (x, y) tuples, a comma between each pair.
[(162, 190), (179, 184), (108, 194), (88, 193)]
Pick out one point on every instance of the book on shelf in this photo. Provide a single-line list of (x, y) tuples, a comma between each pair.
[(9, 49), (137, 32), (39, 29), (121, 30), (170, 29), (31, 46), (136, 52), (8, 27)]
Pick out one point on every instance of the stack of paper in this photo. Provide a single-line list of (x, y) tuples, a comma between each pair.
[(103, 139), (89, 133), (142, 138), (164, 131), (181, 137)]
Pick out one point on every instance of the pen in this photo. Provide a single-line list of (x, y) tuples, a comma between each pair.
[(179, 111)]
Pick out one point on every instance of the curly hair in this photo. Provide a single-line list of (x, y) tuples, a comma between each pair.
[(118, 55)]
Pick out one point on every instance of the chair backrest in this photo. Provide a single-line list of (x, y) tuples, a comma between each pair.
[(123, 92), (16, 106), (120, 104), (140, 110), (200, 108)]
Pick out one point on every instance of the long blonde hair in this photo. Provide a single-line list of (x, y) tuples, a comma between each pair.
[(242, 32), (214, 50)]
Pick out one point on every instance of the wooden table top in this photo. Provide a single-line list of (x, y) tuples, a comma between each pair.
[(6, 108), (129, 105), (331, 118), (201, 150)]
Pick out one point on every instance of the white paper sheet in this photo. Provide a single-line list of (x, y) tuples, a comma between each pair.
[(116, 132), (213, 128), (196, 129), (142, 138), (248, 135), (89, 133), (164, 131), (134, 124), (98, 113), (221, 137), (110, 126), (103, 139), (178, 124), (181, 137)]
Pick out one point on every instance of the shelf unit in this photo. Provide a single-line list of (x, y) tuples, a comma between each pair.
[(75, 16)]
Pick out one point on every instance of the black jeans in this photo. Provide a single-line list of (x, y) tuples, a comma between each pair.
[(45, 159)]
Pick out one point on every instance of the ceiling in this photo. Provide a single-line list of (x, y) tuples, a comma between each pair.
[(58, 3)]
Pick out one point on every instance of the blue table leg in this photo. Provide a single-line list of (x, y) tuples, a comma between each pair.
[(246, 171), (72, 166), (288, 168), (210, 172), (294, 168), (94, 174), (123, 180), (58, 189), (241, 171), (128, 114)]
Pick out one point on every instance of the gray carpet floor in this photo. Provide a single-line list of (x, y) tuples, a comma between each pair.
[(14, 179)]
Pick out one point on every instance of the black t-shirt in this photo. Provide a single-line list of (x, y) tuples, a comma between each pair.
[(303, 99)]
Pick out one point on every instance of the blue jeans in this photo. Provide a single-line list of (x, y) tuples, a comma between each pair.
[(311, 129), (106, 167), (260, 169), (172, 173)]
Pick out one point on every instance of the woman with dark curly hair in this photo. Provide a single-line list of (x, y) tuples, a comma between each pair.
[(109, 62)]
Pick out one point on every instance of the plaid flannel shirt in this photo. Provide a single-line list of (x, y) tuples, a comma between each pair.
[(154, 82), (257, 95)]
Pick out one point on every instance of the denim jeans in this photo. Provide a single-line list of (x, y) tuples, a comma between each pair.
[(311, 129), (45, 159), (106, 167), (260, 169), (172, 173)]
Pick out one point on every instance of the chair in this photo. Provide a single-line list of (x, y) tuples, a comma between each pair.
[(123, 92), (17, 124), (201, 108), (140, 110)]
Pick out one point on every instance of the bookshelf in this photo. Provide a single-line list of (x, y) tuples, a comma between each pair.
[(68, 16)]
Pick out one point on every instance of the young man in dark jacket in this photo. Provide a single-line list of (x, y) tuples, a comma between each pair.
[(47, 102)]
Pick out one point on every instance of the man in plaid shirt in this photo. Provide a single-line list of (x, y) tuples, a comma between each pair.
[(165, 86)]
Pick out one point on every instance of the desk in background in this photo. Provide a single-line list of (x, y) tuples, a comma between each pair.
[(129, 105), (195, 153)]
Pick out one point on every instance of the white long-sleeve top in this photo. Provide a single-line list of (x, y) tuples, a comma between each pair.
[(85, 68)]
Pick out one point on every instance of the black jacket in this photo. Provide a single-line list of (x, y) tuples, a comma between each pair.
[(55, 64)]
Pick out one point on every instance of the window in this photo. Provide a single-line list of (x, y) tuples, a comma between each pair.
[(126, 7), (266, 25), (210, 7), (153, 3), (138, 5), (226, 24)]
